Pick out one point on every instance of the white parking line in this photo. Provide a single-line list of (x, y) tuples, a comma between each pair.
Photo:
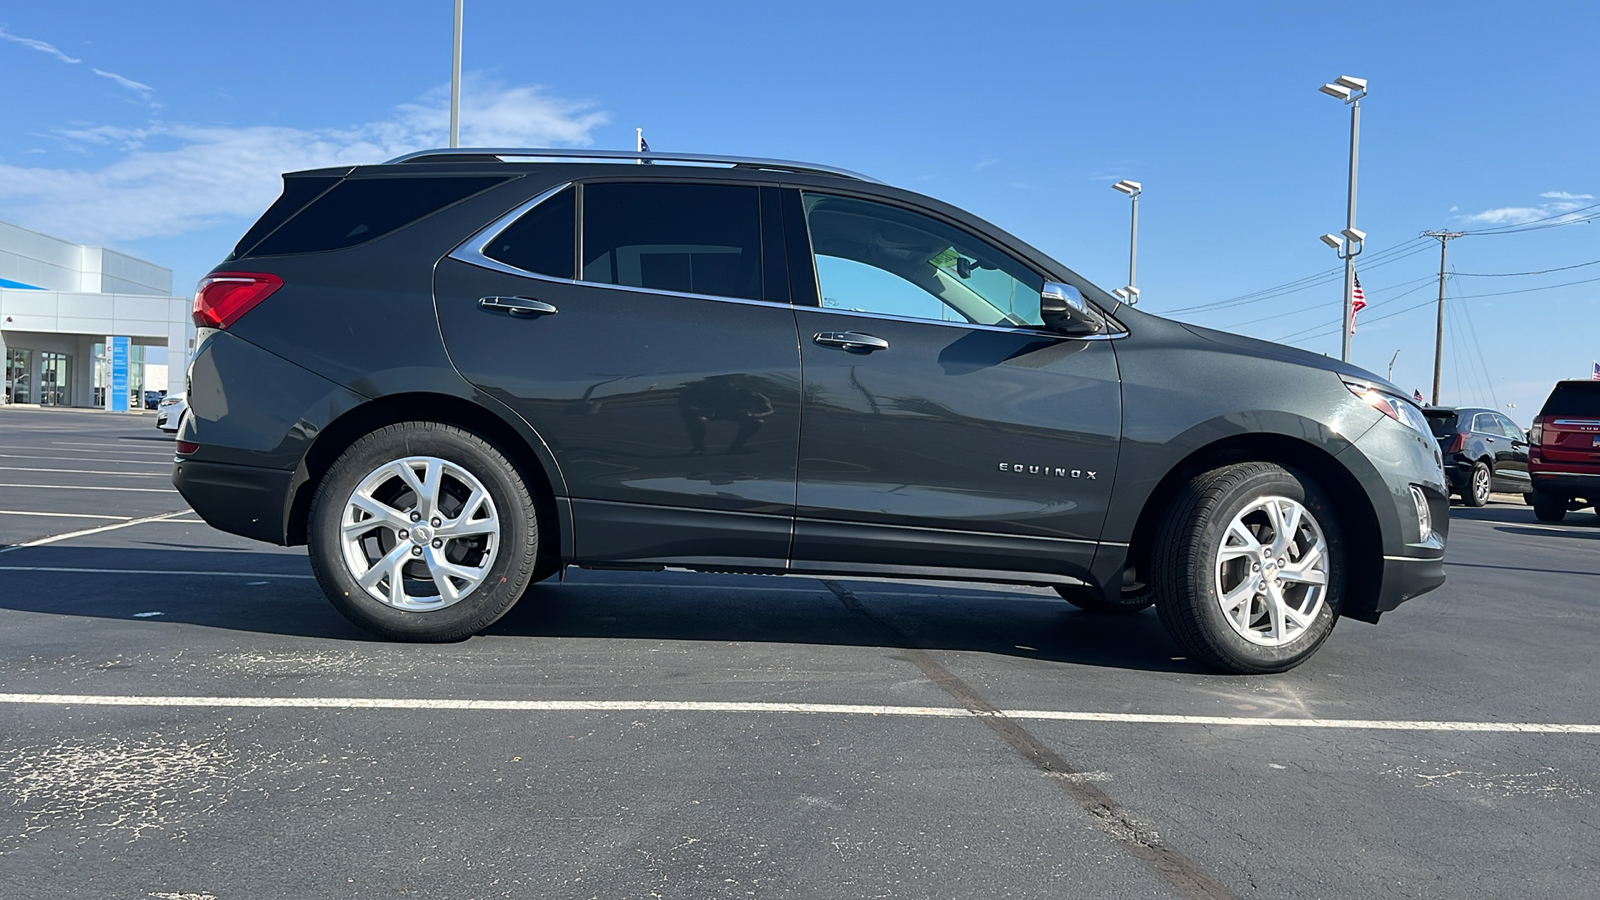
[(88, 472), (88, 457), (120, 448), (84, 487), (58, 515), (68, 535), (88, 571), (848, 709)]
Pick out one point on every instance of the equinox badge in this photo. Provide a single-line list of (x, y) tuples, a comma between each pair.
[(1021, 469)]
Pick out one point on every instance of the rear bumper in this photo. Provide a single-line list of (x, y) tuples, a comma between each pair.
[(1406, 577), (245, 500), (1578, 484)]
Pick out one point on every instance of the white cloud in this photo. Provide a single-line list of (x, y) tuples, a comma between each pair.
[(142, 89), (206, 175), (40, 46), (1556, 203)]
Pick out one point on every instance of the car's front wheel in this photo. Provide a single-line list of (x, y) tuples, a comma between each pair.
[(1249, 568), (423, 532)]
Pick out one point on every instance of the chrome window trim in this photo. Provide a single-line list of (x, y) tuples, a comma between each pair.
[(1026, 329), (1551, 472), (471, 252)]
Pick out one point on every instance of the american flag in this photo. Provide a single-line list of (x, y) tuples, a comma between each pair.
[(1358, 302), (1595, 375), (1416, 394)]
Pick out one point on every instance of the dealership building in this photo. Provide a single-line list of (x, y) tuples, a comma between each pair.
[(60, 302)]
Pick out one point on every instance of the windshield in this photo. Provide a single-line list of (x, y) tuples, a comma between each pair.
[(1441, 421), (1574, 398)]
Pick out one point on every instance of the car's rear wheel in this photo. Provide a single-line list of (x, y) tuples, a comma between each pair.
[(1479, 486), (1549, 507), (1249, 568), (423, 532)]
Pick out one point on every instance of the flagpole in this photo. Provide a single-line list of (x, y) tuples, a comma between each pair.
[(638, 144), (455, 81)]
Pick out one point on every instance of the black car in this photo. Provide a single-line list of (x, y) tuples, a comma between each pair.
[(456, 373), (1483, 451)]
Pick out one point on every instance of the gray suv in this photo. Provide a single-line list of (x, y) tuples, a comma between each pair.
[(455, 373)]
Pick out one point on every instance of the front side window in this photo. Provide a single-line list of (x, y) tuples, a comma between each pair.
[(876, 258), (684, 238)]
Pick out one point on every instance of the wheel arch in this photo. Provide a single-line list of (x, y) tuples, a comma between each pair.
[(1358, 520), (527, 452)]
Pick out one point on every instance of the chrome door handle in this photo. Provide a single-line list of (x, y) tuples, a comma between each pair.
[(518, 306), (854, 341)]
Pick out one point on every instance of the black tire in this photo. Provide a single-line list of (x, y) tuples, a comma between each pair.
[(1479, 485), (1528, 498), (1549, 507), (507, 574), (1127, 602), (1185, 564)]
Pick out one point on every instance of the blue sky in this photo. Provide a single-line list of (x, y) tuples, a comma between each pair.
[(160, 129)]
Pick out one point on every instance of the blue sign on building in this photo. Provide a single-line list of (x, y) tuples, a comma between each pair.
[(117, 390)]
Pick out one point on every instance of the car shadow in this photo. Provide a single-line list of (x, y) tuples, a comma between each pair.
[(1523, 515), (270, 593)]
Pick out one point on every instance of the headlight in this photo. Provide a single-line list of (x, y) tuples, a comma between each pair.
[(1392, 405)]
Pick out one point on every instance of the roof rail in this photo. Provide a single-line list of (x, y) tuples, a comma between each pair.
[(737, 162)]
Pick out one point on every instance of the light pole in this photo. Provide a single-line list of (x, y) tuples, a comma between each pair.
[(1350, 90), (1133, 189), (455, 81)]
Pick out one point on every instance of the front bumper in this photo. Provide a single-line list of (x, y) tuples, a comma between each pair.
[(245, 500), (1405, 577)]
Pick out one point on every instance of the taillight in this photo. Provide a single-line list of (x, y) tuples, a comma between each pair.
[(1457, 445), (1535, 434), (185, 448), (222, 297)]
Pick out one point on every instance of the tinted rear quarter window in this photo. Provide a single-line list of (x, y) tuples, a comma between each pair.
[(1574, 398), (357, 211), (686, 238), (298, 190), (542, 241)]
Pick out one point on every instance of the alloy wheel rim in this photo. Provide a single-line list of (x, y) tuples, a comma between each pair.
[(1480, 484), (1271, 574), (419, 533)]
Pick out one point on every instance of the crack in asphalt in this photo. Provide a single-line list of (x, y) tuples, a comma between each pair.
[(1187, 879)]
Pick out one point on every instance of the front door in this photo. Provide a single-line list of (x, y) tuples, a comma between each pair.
[(944, 429), (666, 387)]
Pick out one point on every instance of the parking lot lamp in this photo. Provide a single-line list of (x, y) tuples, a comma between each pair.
[(455, 80), (1133, 189), (1350, 90)]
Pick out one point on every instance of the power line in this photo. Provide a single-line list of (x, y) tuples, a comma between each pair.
[(1517, 274)]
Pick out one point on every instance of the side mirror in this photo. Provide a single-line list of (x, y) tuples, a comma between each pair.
[(1063, 309)]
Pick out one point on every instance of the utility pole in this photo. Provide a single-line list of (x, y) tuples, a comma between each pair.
[(455, 80), (1444, 237)]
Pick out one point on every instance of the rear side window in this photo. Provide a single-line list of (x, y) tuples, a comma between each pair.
[(358, 211), (1574, 398), (543, 241), (687, 238), (1441, 421)]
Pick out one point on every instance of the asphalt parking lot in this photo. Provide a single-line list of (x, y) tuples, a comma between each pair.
[(186, 717)]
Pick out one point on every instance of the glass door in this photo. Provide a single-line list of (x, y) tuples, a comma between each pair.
[(19, 382), (55, 379)]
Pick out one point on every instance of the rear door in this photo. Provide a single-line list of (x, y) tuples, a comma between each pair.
[(1511, 464), (650, 356), (944, 428)]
